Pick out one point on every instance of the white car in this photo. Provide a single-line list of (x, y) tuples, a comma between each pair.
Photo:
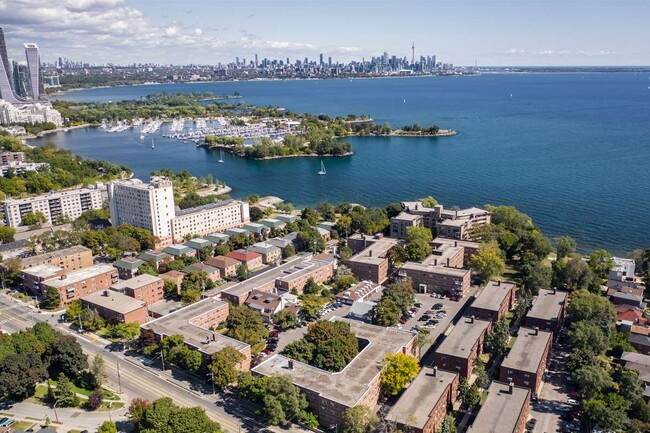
[(572, 402)]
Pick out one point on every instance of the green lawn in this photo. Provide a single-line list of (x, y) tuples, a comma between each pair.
[(22, 425), (511, 342)]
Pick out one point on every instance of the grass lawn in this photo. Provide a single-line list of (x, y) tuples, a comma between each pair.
[(511, 342), (485, 357), (483, 397), (22, 425), (74, 431)]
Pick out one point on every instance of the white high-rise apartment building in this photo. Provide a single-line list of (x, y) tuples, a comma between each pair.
[(150, 206), (70, 204)]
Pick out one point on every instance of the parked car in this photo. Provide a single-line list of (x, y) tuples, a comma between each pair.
[(424, 318), (403, 320), (573, 402), (437, 306)]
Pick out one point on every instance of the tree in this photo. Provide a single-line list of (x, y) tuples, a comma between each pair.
[(137, 408), (429, 201), (95, 400), (19, 375), (311, 305), (588, 337), (98, 370), (73, 312), (606, 411), (344, 282), (67, 356), (630, 386), (311, 216), (496, 341), (190, 296), (468, 395), (34, 219), (170, 288), (312, 240), (574, 274), (284, 319), (592, 380), (482, 379), (223, 366), (417, 250), (256, 213), (359, 419), (7, 234), (246, 325), (107, 427), (398, 370), (51, 300), (601, 262), (448, 424), (163, 416), (488, 263), (127, 332), (283, 402), (326, 210), (618, 343), (595, 309), (396, 254), (536, 277), (564, 246), (418, 233), (393, 209), (64, 393), (91, 320), (401, 293), (311, 287), (242, 272), (387, 313)]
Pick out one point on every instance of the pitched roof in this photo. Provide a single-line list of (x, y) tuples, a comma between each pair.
[(243, 256)]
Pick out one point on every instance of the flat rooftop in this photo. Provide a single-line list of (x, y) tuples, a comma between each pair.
[(352, 383), (136, 282), (462, 338), (178, 322), (42, 271), (405, 216), (375, 252), (416, 403), (493, 295), (527, 352), (441, 270), (270, 275), (204, 207), (80, 275), (501, 410), (77, 249), (547, 305), (115, 301)]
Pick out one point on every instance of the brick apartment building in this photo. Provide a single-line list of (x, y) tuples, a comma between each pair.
[(116, 307), (525, 363), (250, 259), (494, 302), (505, 410), (76, 285), (462, 346), (69, 259), (370, 262), (423, 405), (547, 311), (227, 266), (145, 287)]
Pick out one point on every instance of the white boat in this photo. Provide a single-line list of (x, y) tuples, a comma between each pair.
[(152, 145), (221, 157), (322, 168)]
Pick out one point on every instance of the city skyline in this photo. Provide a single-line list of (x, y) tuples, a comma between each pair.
[(491, 33)]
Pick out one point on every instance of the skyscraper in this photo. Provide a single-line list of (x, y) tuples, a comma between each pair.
[(34, 66), (6, 91)]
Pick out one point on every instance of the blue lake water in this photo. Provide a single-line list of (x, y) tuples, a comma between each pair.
[(570, 150)]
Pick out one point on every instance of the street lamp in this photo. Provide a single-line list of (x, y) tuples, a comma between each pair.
[(56, 415)]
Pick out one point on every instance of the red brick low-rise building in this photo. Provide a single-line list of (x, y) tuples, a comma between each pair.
[(423, 405), (69, 259), (145, 287), (175, 277), (115, 307), (505, 410), (251, 260), (227, 266), (525, 363), (462, 346), (548, 310), (494, 302), (32, 278), (76, 285)]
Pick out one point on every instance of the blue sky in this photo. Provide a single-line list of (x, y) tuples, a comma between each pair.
[(522, 32)]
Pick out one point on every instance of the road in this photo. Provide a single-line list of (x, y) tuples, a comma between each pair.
[(137, 380)]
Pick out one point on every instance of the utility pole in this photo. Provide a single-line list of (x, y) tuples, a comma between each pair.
[(162, 359), (119, 379), (56, 415), (81, 326)]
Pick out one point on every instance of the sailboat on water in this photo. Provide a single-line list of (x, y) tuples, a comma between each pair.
[(322, 168), (152, 145), (221, 157)]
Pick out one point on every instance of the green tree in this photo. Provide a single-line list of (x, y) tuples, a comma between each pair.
[(468, 394), (137, 408), (98, 369), (401, 293), (574, 274), (51, 300), (359, 419), (398, 370), (606, 411), (311, 287), (242, 272), (223, 366), (393, 209), (387, 313), (246, 325), (163, 416), (594, 309), (536, 277), (283, 402), (588, 337), (256, 213), (170, 288), (284, 319), (311, 305), (107, 427), (67, 356), (429, 201), (488, 263), (482, 379), (592, 380), (448, 424), (418, 233), (127, 332), (417, 250), (73, 312), (65, 392), (91, 320), (601, 262), (19, 375), (396, 254), (496, 341), (629, 384), (289, 251), (34, 219), (618, 343), (345, 282), (7, 234), (564, 246)]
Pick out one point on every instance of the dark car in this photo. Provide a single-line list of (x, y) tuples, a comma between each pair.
[(424, 318), (437, 306)]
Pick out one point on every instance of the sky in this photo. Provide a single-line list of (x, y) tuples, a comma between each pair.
[(489, 32)]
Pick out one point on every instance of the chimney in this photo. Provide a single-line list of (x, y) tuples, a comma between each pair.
[(105, 292), (62, 277), (435, 262), (554, 290), (435, 371), (498, 282), (214, 337), (471, 319), (370, 253), (447, 261), (455, 243), (511, 387), (290, 364), (536, 328)]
